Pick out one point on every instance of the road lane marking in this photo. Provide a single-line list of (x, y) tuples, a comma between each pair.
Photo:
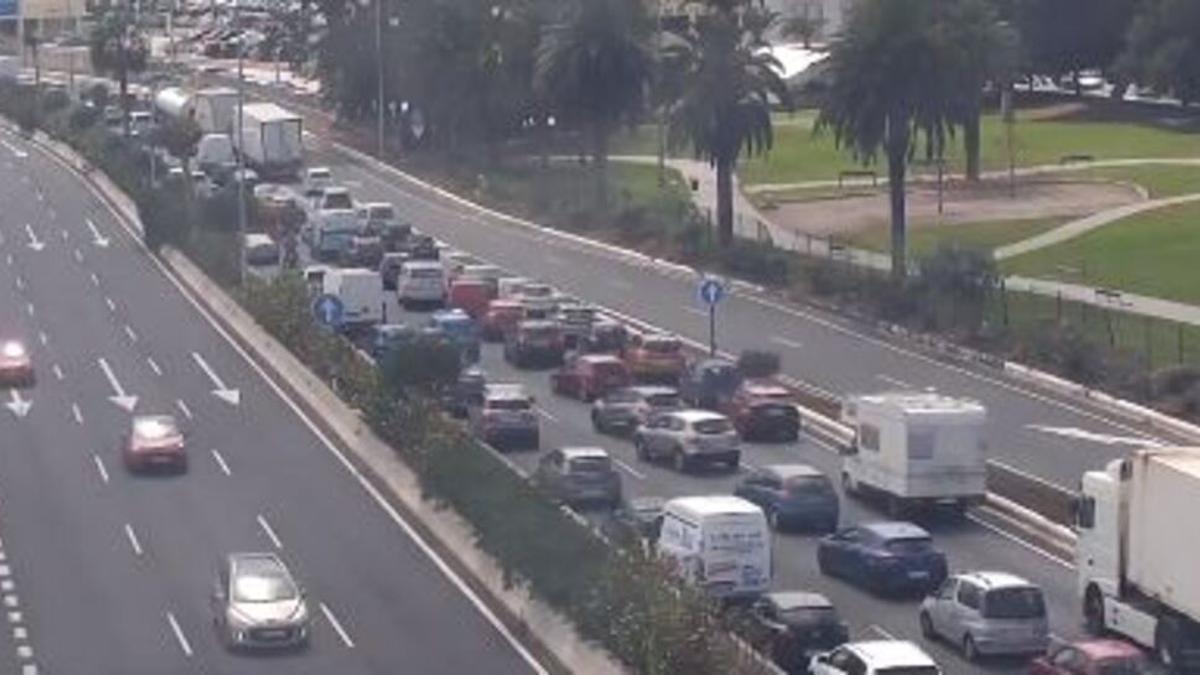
[(29, 669), (78, 415), (7, 586), (5, 571), (78, 256), (133, 540), (20, 283), (15, 617), (545, 413), (95, 279), (895, 381), (66, 235), (179, 636), (29, 308), (17, 152), (221, 462), (112, 306), (183, 408), (100, 468), (25, 652), (43, 338), (882, 631), (153, 366), (9, 260), (129, 332), (786, 342), (58, 373), (20, 633), (1009, 536), (632, 471), (11, 601), (337, 626), (266, 527)]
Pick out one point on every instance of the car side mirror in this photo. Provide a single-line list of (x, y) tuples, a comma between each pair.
[(821, 658)]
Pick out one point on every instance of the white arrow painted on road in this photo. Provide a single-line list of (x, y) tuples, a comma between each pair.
[(122, 399), (1105, 439), (34, 243), (230, 396), (97, 238), (19, 406)]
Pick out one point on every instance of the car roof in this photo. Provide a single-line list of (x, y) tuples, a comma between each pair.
[(375, 205), (654, 390), (506, 390), (786, 600), (423, 264), (337, 189), (504, 303), (697, 415), (895, 529), (154, 426), (600, 358), (995, 580), (584, 453), (891, 653), (786, 471), (713, 505), (264, 559)]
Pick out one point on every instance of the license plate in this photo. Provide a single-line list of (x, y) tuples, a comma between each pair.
[(918, 574), (277, 634)]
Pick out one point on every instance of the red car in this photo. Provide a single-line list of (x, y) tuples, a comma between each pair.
[(590, 376), (1092, 657), (16, 365), (502, 316), (155, 442), (763, 410), (470, 295), (655, 357)]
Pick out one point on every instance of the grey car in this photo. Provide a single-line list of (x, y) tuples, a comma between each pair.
[(987, 613), (623, 410), (688, 438), (258, 604), (579, 476)]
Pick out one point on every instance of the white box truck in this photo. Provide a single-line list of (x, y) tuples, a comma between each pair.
[(361, 293), (271, 140), (916, 449), (216, 110), (1137, 554), (720, 543)]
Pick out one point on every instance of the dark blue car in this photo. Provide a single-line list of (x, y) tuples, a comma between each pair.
[(794, 496), (385, 337), (889, 557), (460, 329)]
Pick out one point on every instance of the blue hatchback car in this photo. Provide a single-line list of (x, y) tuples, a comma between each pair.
[(460, 328), (887, 557)]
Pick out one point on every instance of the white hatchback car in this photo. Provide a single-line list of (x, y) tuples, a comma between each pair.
[(874, 658)]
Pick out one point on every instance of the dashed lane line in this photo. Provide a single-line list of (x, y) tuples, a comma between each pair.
[(179, 636), (337, 626), (221, 462), (266, 527)]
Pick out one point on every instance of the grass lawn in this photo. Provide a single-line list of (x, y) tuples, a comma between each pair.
[(984, 235), (1159, 179), (1152, 253)]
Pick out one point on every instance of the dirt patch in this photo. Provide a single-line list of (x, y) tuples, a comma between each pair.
[(962, 203)]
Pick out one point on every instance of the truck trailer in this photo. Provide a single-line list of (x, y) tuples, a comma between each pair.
[(1137, 556), (270, 142)]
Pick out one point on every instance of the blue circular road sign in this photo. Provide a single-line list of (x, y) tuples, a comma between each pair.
[(329, 310), (711, 291)]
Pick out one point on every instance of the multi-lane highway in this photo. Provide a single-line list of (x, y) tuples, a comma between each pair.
[(105, 573)]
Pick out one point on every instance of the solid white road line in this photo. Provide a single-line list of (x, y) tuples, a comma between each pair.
[(179, 636), (785, 342), (337, 626), (1004, 534), (894, 381), (100, 468), (183, 408), (133, 540), (266, 527), (78, 415), (129, 332), (221, 462), (629, 469), (58, 373), (153, 366)]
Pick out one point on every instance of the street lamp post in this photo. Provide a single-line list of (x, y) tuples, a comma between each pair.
[(379, 75), (241, 141)]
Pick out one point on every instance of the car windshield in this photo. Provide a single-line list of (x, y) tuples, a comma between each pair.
[(262, 582), (713, 426), (809, 615), (909, 545), (664, 401), (457, 327), (591, 465), (1014, 603), (508, 404), (338, 200), (809, 486)]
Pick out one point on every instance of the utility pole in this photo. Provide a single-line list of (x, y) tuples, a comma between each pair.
[(240, 146), (379, 74), (661, 112)]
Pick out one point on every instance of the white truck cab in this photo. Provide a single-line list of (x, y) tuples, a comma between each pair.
[(916, 448), (720, 543)]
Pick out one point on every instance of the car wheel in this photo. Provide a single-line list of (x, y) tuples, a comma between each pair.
[(822, 566), (680, 460), (1093, 611), (773, 519), (639, 446), (970, 651), (597, 425), (927, 631)]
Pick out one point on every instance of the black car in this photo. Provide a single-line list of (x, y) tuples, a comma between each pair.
[(887, 558), (793, 496), (790, 625), (467, 392), (710, 383)]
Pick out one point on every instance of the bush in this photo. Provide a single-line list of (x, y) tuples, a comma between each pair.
[(758, 363), (425, 365), (83, 117), (55, 100), (98, 95), (759, 262)]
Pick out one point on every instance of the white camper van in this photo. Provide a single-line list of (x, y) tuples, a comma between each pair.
[(916, 448), (719, 543)]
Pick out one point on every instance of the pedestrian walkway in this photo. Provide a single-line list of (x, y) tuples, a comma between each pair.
[(1109, 298)]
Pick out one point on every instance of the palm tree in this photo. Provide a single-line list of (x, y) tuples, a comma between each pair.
[(728, 84), (889, 87), (593, 64), (118, 48), (985, 49)]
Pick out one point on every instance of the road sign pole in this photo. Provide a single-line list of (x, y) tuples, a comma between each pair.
[(712, 330)]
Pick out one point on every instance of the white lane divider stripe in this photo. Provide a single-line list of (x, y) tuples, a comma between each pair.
[(629, 469), (112, 306), (786, 342), (100, 468), (153, 366), (76, 412), (78, 256), (545, 413), (221, 462), (894, 381), (337, 626), (58, 373), (133, 540), (129, 332), (43, 338), (266, 527), (29, 308), (183, 408), (95, 279), (179, 636)]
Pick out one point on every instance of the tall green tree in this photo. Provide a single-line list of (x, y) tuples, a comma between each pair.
[(593, 64), (1164, 49), (890, 88), (984, 49), (118, 48), (728, 85)]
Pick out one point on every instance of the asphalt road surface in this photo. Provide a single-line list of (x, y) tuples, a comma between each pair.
[(104, 573)]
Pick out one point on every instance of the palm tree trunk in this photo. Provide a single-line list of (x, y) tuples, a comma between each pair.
[(724, 202), (971, 141), (897, 158), (600, 165)]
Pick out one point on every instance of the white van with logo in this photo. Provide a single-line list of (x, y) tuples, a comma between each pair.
[(720, 543)]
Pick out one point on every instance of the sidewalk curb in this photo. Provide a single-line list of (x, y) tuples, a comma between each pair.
[(532, 622)]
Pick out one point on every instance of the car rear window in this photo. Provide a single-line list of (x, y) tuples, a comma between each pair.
[(338, 200), (426, 274), (713, 426), (809, 486), (590, 465), (508, 404), (622, 396), (909, 545), (1014, 603), (661, 346), (664, 401), (810, 615), (534, 291)]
